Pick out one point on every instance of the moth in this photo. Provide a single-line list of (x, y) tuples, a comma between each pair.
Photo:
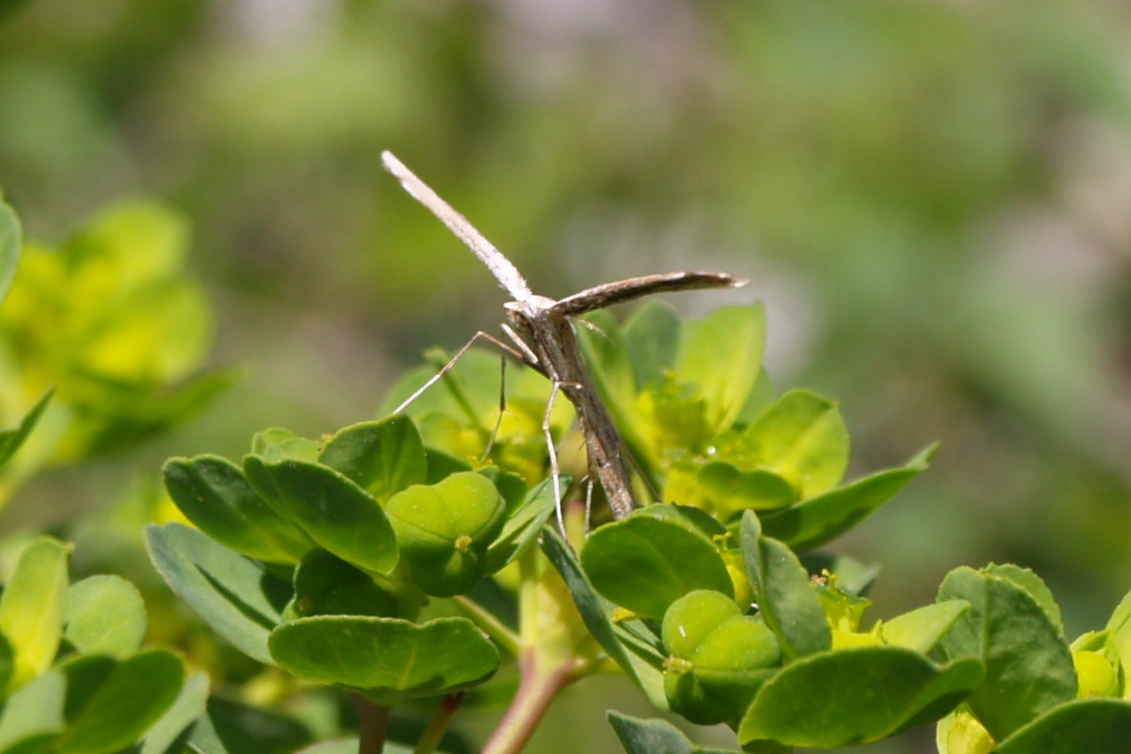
[(543, 334)]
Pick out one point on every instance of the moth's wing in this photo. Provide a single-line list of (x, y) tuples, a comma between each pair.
[(626, 290), (506, 273)]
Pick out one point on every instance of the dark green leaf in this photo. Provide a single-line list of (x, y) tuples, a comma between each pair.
[(595, 611), (1029, 667), (388, 659), (787, 602), (328, 585), (332, 510), (813, 522), (1084, 725), (854, 696), (130, 698), (520, 532), (215, 495), (382, 457), (234, 595), (649, 736), (1031, 583), (169, 734), (105, 614), (645, 563)]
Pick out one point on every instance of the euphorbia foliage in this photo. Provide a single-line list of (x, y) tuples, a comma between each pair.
[(326, 557)]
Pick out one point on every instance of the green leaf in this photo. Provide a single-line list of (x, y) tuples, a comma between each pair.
[(127, 700), (644, 564), (595, 611), (218, 733), (387, 659), (787, 602), (444, 530), (1029, 667), (332, 510), (521, 530), (651, 338), (31, 608), (920, 629), (1031, 583), (168, 734), (801, 438), (1085, 725), (813, 522), (854, 696), (652, 736), (35, 712), (10, 242), (382, 457), (215, 495), (104, 614), (278, 444), (730, 491), (11, 440), (234, 595), (722, 356), (328, 585)]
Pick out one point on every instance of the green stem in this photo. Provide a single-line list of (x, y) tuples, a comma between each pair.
[(487, 622), (536, 691), (374, 725), (440, 722)]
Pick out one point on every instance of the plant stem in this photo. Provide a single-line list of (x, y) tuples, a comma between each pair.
[(536, 691), (440, 722), (374, 725)]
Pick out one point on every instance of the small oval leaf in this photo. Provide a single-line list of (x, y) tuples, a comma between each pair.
[(387, 659), (644, 564)]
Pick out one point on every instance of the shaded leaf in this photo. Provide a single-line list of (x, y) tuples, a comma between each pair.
[(234, 595), (644, 563), (170, 733), (12, 439), (1085, 725), (787, 602)]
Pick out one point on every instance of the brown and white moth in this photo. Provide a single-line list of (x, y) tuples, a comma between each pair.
[(541, 330)]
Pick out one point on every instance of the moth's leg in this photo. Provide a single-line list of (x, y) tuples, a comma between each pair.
[(529, 358), (553, 453), (452, 362), (502, 409), (588, 502)]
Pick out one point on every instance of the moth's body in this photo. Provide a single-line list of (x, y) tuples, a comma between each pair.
[(542, 330), (550, 336)]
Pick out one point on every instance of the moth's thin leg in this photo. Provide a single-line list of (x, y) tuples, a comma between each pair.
[(530, 359), (632, 460), (451, 363), (502, 408), (553, 453), (588, 503)]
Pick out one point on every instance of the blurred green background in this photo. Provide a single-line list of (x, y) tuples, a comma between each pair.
[(933, 199)]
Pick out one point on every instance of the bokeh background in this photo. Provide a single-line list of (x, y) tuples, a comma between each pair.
[(932, 197)]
